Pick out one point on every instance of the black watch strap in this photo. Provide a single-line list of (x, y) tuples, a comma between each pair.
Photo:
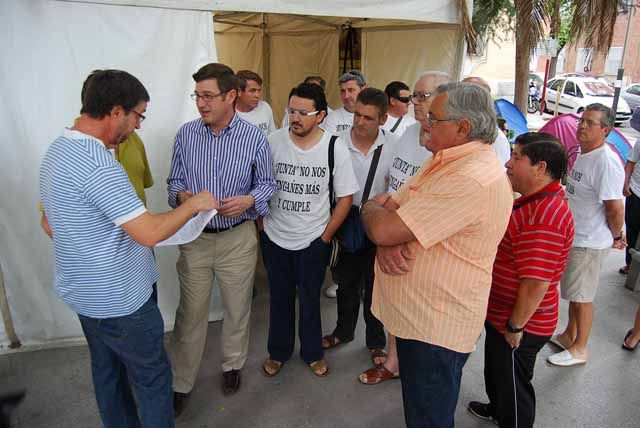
[(511, 328)]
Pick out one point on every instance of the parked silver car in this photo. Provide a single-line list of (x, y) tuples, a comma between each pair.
[(631, 95)]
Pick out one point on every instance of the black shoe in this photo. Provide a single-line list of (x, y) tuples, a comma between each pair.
[(230, 382), (481, 410), (179, 402)]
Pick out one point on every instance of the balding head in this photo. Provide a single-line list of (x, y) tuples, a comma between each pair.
[(426, 85), (430, 80), (477, 81)]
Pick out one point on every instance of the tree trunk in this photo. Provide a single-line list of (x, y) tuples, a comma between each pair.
[(521, 90)]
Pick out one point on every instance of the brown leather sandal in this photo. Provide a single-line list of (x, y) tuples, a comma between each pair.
[(377, 354), (271, 367), (331, 341), (377, 374), (319, 368)]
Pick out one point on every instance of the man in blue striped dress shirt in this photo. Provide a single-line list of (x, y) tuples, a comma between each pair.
[(105, 270), (222, 153)]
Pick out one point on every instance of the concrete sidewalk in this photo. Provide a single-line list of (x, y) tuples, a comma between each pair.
[(603, 393)]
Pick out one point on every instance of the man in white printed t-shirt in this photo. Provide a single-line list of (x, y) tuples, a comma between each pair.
[(501, 144), (249, 104), (354, 272), (298, 230), (408, 156), (398, 118), (631, 192), (340, 120), (594, 188)]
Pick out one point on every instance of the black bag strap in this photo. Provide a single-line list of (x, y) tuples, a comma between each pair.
[(396, 125), (372, 173), (332, 144), (535, 197)]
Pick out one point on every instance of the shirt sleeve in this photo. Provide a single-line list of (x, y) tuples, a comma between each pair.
[(176, 181), (263, 183), (634, 154), (445, 208), (609, 184), (344, 178), (108, 188), (537, 251)]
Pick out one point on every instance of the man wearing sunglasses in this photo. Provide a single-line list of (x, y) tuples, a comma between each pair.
[(398, 118), (229, 157)]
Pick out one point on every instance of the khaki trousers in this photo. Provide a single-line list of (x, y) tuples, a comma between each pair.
[(231, 257)]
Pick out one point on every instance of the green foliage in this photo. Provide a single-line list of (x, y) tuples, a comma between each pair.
[(493, 18)]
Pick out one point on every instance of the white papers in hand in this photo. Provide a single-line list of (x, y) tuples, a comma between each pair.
[(191, 230)]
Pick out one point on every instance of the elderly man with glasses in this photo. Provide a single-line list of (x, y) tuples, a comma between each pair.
[(436, 242), (222, 153)]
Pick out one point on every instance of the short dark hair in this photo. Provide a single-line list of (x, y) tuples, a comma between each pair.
[(244, 76), (353, 75), (607, 119), (103, 90), (393, 89), (223, 74), (319, 79), (374, 97), (313, 92), (540, 146)]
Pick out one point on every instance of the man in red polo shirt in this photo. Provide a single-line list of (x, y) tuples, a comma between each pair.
[(523, 304)]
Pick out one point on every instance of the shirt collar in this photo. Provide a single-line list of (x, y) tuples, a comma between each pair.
[(232, 124), (74, 134), (380, 140), (554, 187)]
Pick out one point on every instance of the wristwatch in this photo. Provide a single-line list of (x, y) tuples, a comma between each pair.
[(619, 237), (511, 328)]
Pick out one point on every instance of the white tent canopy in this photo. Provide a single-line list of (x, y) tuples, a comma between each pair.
[(49, 48)]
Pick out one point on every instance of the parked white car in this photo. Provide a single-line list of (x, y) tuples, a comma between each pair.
[(631, 95), (573, 94)]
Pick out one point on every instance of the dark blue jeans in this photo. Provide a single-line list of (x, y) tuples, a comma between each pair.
[(288, 271), (430, 378), (129, 351)]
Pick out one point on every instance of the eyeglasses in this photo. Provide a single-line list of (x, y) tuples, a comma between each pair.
[(589, 123), (206, 97), (141, 117), (301, 112), (433, 122), (405, 100), (419, 96)]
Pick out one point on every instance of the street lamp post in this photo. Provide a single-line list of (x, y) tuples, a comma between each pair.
[(618, 84)]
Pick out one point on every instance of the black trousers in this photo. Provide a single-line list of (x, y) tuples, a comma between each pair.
[(354, 276), (632, 221), (507, 378)]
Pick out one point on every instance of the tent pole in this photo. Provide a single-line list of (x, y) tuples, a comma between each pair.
[(266, 53), (6, 316)]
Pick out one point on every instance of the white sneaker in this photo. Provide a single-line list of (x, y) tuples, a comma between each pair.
[(331, 291)]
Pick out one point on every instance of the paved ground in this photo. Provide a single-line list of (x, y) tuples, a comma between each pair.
[(603, 393)]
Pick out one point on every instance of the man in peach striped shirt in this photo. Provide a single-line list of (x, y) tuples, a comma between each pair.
[(437, 240)]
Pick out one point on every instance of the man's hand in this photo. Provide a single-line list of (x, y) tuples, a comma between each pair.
[(203, 201), (395, 260), (44, 224), (236, 205), (620, 244), (183, 195), (513, 339), (626, 191)]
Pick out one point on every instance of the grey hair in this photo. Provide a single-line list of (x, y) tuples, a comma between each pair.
[(440, 77), (607, 120), (353, 75), (473, 103)]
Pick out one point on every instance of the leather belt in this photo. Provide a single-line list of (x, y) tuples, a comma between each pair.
[(221, 229)]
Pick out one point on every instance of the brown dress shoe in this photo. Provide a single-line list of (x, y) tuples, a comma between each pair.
[(230, 382)]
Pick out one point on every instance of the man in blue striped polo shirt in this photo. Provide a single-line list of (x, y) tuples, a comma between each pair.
[(105, 270), (222, 153)]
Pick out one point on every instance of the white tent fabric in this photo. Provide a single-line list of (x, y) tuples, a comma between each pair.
[(47, 49)]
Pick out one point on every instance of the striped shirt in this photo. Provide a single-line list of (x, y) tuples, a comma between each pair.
[(236, 162), (99, 271), (457, 206), (536, 245)]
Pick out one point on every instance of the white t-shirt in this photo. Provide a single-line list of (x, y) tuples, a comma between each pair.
[(596, 176), (338, 121), (502, 147), (406, 122), (634, 156), (408, 157), (299, 209), (361, 164), (285, 119), (261, 116)]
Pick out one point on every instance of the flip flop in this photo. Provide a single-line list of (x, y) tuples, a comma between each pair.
[(270, 367), (377, 374), (319, 368), (624, 342), (554, 340), (564, 359)]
